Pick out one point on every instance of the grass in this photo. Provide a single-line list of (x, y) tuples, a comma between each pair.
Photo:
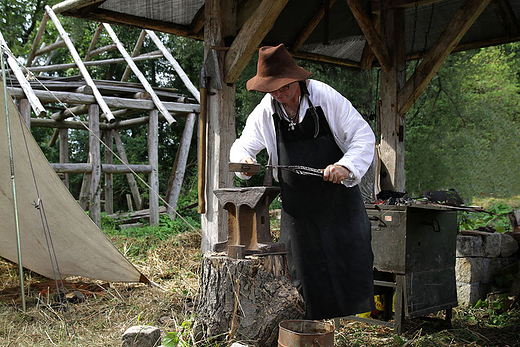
[(172, 260)]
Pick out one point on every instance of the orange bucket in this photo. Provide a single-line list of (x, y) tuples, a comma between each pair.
[(305, 333)]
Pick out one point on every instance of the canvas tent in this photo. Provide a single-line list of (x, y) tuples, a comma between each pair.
[(80, 248)]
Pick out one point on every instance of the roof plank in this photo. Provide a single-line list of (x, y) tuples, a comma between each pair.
[(313, 23), (371, 35)]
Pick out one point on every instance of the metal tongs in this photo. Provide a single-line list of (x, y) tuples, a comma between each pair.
[(299, 169)]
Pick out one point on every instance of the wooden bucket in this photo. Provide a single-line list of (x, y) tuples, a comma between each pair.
[(305, 333)]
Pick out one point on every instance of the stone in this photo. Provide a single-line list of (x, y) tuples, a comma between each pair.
[(469, 246), (490, 268), (142, 336), (471, 293), (468, 270), (508, 246), (491, 244)]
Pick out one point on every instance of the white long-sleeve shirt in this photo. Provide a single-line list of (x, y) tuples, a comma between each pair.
[(351, 132)]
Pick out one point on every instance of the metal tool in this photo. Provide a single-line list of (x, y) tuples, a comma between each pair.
[(300, 169)]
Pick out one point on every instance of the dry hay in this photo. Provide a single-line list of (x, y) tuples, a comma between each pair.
[(108, 309)]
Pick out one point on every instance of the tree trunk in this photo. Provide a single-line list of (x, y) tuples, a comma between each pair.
[(246, 299)]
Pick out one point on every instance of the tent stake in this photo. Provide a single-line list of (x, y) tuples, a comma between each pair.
[(15, 202)]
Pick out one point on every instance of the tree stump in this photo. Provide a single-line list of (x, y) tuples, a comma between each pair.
[(245, 299)]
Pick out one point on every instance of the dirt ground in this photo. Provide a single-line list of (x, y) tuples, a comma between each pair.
[(98, 313)]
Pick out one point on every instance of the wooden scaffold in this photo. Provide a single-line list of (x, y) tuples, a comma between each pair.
[(105, 103)]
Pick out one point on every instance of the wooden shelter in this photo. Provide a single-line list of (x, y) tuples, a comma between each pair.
[(111, 106), (356, 33)]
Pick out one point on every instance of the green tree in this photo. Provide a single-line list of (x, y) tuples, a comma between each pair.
[(463, 131)]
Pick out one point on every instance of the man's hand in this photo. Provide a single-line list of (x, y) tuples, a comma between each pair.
[(247, 160), (335, 173)]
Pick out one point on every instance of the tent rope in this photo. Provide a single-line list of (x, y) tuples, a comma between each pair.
[(31, 76)]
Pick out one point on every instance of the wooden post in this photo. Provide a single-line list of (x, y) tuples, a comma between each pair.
[(25, 110), (95, 160), (392, 124), (109, 180), (220, 22), (179, 167), (64, 153), (153, 158), (130, 177)]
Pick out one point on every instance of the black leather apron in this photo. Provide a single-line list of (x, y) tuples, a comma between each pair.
[(324, 225)]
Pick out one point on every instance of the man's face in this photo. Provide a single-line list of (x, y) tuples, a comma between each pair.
[(286, 93)]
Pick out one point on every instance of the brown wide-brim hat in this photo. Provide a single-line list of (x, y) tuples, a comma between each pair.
[(276, 68)]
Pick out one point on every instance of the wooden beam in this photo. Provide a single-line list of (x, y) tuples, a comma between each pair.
[(50, 48), (73, 5), (101, 50), (158, 103), (245, 10), (249, 38), (153, 55), (105, 168), (93, 42), (197, 23), (95, 159), (64, 153), (179, 167), (367, 57), (371, 35), (134, 189), (37, 39), (109, 178), (311, 25), (119, 18), (114, 102), (153, 160), (84, 72), (392, 125), (450, 37), (325, 59), (35, 103), (220, 22), (187, 82), (507, 17), (135, 52)]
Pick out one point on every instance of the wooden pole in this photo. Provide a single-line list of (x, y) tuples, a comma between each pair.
[(147, 56), (179, 168), (25, 111), (64, 153), (153, 158), (109, 179), (158, 103), (219, 23), (135, 52), (194, 91), (37, 39), (80, 65), (36, 105), (95, 160), (392, 124), (130, 177)]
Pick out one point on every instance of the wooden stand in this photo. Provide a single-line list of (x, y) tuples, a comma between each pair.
[(246, 299)]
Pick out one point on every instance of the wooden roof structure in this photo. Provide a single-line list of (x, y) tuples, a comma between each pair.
[(356, 33), (111, 106)]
